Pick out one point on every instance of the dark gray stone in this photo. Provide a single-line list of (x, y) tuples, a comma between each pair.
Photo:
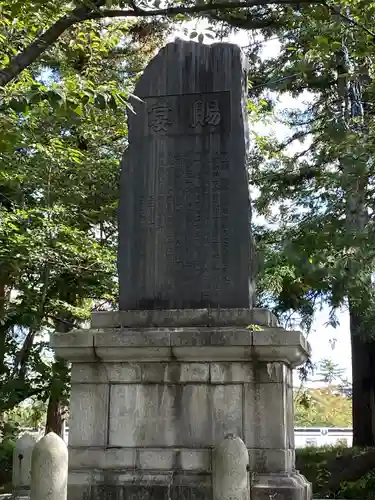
[(176, 490), (182, 318), (184, 215)]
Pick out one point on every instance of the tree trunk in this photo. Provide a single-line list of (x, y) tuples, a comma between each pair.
[(363, 368), (355, 180), (57, 399), (3, 331), (55, 419)]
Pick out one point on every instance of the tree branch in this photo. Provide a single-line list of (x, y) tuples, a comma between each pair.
[(196, 9), (48, 38), (83, 13), (335, 9)]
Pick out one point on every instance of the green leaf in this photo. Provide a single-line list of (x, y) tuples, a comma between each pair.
[(20, 104), (101, 101)]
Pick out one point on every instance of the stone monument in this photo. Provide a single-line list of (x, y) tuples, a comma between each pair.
[(184, 225), (21, 468), (158, 385)]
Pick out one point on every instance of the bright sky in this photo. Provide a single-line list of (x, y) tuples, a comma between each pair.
[(325, 341)]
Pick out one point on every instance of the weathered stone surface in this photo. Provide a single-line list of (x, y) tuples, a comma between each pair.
[(230, 478), (199, 344), (211, 336), (289, 409), (229, 372), (21, 470), (142, 415), (195, 460), (184, 216), (268, 460), (89, 414), (160, 415), (10, 496), (179, 373), (198, 460), (148, 344), (265, 416), (102, 458), (49, 469), (260, 460), (76, 345), (149, 318), (97, 373), (182, 317), (162, 459), (250, 371), (278, 344), (175, 372), (116, 490), (281, 486)]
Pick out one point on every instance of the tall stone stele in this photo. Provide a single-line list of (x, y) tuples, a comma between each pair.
[(158, 385)]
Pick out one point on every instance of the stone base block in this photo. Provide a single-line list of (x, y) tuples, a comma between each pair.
[(154, 392), (171, 485), (292, 486), (195, 336), (181, 318), (138, 486)]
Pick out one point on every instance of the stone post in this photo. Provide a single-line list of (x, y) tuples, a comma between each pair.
[(49, 469), (230, 476), (21, 471)]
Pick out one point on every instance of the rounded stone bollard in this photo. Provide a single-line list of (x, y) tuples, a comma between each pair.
[(21, 469), (49, 469), (229, 470)]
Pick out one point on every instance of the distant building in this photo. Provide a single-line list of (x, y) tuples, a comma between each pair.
[(323, 436)]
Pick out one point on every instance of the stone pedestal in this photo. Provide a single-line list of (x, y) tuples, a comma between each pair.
[(153, 392)]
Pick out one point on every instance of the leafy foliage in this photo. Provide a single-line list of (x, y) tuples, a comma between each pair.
[(315, 184), (6, 457), (63, 130), (8, 437), (323, 407), (309, 251), (31, 415), (335, 473), (254, 14), (68, 74)]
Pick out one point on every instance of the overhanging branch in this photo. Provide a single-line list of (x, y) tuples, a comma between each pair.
[(196, 9), (94, 11), (48, 38)]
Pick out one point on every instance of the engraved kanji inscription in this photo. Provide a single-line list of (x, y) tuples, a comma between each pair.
[(206, 113), (198, 113), (213, 116), (184, 115), (160, 117)]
